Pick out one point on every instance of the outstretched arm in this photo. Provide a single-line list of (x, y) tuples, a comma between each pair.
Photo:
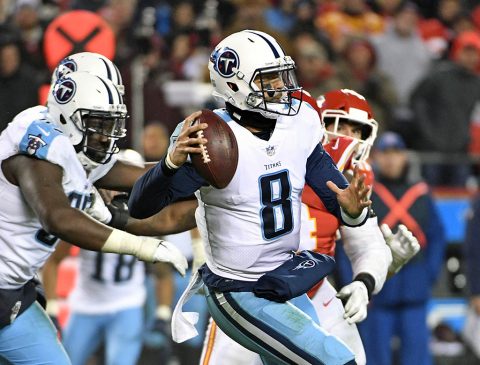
[(41, 184), (347, 202), (175, 218)]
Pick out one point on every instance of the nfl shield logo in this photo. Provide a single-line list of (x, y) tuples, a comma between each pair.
[(270, 150)]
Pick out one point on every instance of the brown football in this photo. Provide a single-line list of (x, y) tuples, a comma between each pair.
[(218, 162)]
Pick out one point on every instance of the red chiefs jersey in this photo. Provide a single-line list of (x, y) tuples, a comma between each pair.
[(319, 227)]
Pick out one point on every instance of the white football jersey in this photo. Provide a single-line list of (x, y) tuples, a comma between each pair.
[(24, 245), (251, 226), (107, 282)]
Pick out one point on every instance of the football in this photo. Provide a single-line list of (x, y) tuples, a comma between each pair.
[(218, 162)]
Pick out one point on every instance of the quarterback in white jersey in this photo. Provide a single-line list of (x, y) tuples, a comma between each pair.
[(43, 187), (251, 227)]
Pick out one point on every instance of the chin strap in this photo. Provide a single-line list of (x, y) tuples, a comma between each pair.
[(87, 163), (250, 118)]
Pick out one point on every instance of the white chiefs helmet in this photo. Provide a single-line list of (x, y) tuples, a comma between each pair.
[(90, 62), (350, 106), (250, 70), (90, 111)]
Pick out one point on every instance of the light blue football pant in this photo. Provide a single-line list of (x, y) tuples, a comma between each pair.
[(282, 333), (120, 331), (32, 340)]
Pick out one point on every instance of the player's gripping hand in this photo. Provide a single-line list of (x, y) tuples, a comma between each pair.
[(355, 299), (354, 198), (167, 252), (146, 249), (98, 210), (184, 145), (403, 245)]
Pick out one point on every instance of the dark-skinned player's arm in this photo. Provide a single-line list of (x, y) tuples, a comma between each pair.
[(175, 218), (123, 175), (41, 185)]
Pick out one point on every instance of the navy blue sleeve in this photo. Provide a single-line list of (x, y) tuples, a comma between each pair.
[(472, 248), (320, 169), (160, 186)]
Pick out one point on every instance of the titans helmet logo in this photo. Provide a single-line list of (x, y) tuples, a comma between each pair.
[(64, 90), (66, 66), (225, 61), (307, 264)]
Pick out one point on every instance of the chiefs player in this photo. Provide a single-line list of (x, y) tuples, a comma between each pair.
[(351, 131)]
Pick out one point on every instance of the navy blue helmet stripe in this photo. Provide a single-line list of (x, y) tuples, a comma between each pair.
[(274, 50), (119, 78), (109, 73), (110, 96)]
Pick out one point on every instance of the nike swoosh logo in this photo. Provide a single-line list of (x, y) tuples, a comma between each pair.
[(325, 304), (44, 131)]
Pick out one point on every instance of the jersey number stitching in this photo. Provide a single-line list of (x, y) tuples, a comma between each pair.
[(276, 199)]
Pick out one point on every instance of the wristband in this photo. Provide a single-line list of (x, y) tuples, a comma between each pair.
[(170, 164), (369, 282)]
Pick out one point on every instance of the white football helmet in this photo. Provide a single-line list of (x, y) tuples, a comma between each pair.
[(90, 111), (350, 106), (250, 70), (90, 62)]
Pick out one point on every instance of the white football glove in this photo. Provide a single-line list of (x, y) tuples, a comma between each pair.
[(403, 245), (167, 252), (355, 299), (98, 210)]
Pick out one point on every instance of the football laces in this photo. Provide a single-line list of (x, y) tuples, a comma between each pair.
[(205, 155)]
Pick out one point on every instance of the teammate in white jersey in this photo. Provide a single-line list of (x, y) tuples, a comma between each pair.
[(106, 303), (251, 227), (44, 187)]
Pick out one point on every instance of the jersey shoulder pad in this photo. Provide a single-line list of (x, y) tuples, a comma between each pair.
[(308, 99), (342, 149), (38, 139)]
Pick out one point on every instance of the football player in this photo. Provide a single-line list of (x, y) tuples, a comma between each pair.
[(50, 156), (106, 303), (252, 226), (350, 133)]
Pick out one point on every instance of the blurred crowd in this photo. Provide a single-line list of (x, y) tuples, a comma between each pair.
[(417, 62)]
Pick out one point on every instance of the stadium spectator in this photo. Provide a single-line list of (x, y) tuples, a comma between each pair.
[(358, 71), (27, 20), (316, 73), (19, 82), (443, 104), (404, 58), (155, 141), (400, 308), (352, 18)]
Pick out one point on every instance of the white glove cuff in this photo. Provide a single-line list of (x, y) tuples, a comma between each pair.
[(125, 243)]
